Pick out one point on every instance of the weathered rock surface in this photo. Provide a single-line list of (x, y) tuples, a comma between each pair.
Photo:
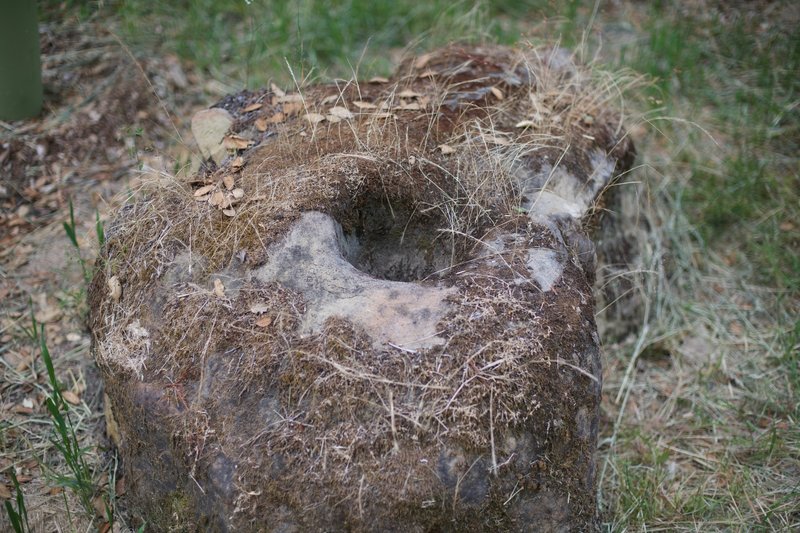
[(376, 314), (209, 127)]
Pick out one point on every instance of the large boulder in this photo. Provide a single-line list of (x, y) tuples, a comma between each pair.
[(376, 313)]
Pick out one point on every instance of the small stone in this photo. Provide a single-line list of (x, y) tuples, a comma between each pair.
[(209, 127)]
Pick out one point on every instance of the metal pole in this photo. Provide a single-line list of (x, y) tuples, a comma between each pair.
[(20, 63)]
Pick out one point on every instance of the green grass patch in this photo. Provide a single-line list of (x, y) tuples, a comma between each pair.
[(736, 77), (252, 42)]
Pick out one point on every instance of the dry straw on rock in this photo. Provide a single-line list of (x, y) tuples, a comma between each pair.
[(435, 160)]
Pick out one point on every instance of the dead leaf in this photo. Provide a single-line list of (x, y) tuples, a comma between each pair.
[(47, 314), (446, 149), (203, 198), (423, 60), (292, 108), (259, 309), (341, 112), (525, 124), (289, 98), (99, 506), (114, 288), (119, 487), (496, 139), (71, 397), (229, 212), (252, 107), (332, 119), (237, 193), (413, 106), (263, 322), (314, 118), (498, 93), (5, 492), (238, 162), (408, 93), (219, 288), (379, 79), (364, 105), (786, 226), (261, 124), (227, 180), (24, 364), (217, 198), (384, 115), (331, 98), (204, 190), (277, 90), (21, 410), (235, 142), (277, 118), (427, 74)]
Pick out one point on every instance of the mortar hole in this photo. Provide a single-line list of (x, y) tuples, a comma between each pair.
[(395, 243)]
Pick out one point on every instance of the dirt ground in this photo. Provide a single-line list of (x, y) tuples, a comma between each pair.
[(104, 125)]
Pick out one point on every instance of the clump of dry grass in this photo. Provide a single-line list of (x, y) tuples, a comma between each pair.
[(700, 403)]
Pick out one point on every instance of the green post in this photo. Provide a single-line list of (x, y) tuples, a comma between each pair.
[(20, 64)]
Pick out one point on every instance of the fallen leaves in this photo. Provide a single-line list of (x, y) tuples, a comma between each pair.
[(264, 321), (235, 142), (202, 191), (409, 94), (219, 288), (446, 149), (277, 90), (423, 60), (222, 195), (47, 312), (217, 198), (292, 108), (287, 98), (259, 309), (263, 123), (340, 112), (364, 105), (70, 397), (114, 288), (314, 118)]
